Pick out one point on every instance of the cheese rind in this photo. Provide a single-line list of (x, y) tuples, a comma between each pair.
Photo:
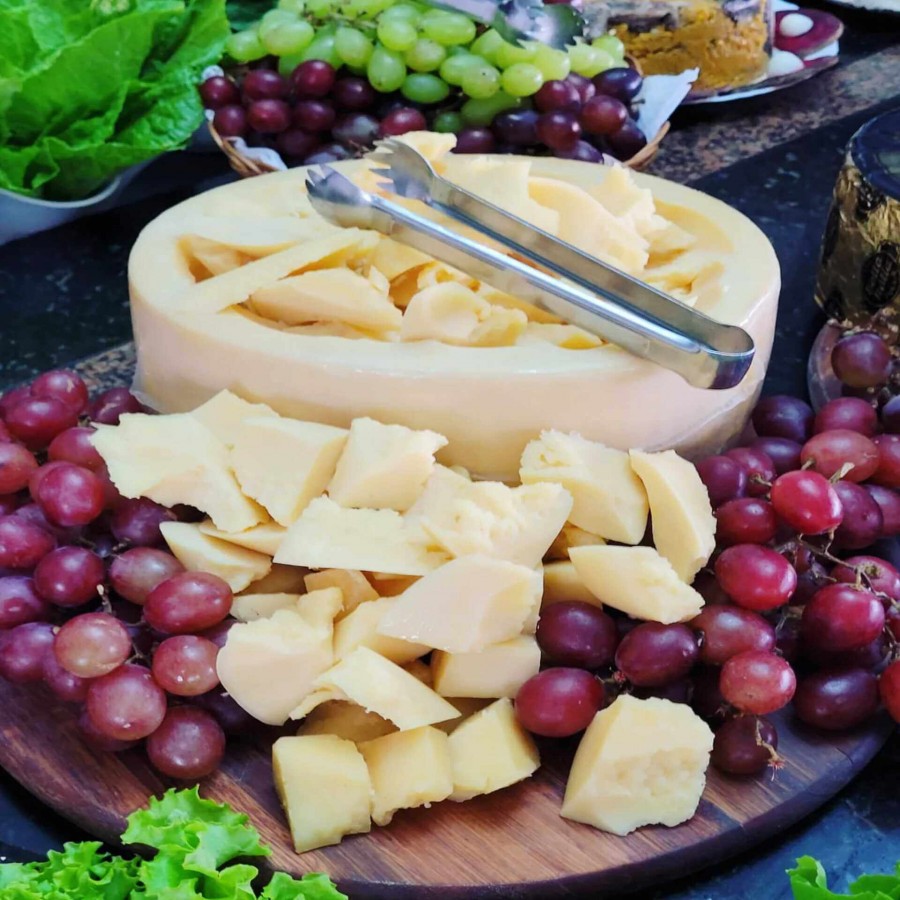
[(640, 762), (498, 670)]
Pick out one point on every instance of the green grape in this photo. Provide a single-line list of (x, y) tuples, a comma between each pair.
[(522, 80), (397, 34), (425, 55), (480, 113), (611, 44), (245, 46), (487, 45), (365, 9), (454, 67), (287, 39), (458, 51), (481, 81), (322, 47), (448, 28), (294, 6), (508, 55), (589, 61), (423, 88), (402, 11), (447, 122), (554, 64), (321, 9), (287, 64), (275, 17), (352, 46), (386, 70)]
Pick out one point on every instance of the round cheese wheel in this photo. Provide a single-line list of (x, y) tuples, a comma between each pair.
[(194, 337)]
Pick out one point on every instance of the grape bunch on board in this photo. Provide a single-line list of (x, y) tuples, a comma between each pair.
[(322, 81)]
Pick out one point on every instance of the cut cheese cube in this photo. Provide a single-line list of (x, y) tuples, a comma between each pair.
[(249, 607), (346, 720), (497, 671), (198, 552), (609, 499), (562, 583), (360, 629), (283, 463), (489, 751), (175, 459), (380, 686), (407, 769), (328, 536), (321, 607), (383, 466), (353, 584), (464, 606), (486, 517), (571, 536), (684, 527), (269, 666), (263, 538), (640, 762), (280, 580), (637, 581), (224, 412), (324, 787)]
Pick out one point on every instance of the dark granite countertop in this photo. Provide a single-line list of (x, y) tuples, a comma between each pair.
[(63, 297)]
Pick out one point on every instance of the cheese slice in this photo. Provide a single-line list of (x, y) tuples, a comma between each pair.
[(562, 584), (354, 586), (224, 412), (499, 670), (360, 629), (249, 607), (263, 538), (571, 536), (394, 259)]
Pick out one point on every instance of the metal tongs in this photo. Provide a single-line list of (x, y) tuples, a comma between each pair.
[(596, 297)]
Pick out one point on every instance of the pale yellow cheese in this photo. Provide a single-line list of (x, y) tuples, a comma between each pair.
[(640, 762), (562, 583), (637, 581), (328, 536), (347, 721), (360, 629), (223, 413), (175, 459), (380, 686), (571, 536), (280, 580), (249, 607), (684, 527), (463, 606), (394, 259), (263, 538), (198, 552), (467, 707), (283, 464), (489, 751), (420, 669), (389, 585), (569, 337), (609, 499), (499, 670), (383, 466), (324, 787), (407, 769), (354, 586)]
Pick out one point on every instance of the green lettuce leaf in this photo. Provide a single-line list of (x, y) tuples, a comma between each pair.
[(809, 882), (309, 887)]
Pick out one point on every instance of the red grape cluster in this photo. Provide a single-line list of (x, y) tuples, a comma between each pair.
[(89, 603), (320, 114), (793, 611)]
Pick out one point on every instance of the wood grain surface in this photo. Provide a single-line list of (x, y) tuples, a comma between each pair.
[(512, 844)]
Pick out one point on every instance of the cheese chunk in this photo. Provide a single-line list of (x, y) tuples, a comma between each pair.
[(346, 720), (380, 686), (608, 498), (684, 527), (571, 536), (280, 580), (328, 536), (562, 583), (360, 629), (175, 459), (394, 259), (383, 466), (354, 586), (263, 538), (283, 463), (497, 671), (324, 787), (198, 552), (224, 412), (269, 666), (464, 606), (489, 751), (407, 769), (640, 762), (486, 517), (467, 707), (637, 581), (249, 607)]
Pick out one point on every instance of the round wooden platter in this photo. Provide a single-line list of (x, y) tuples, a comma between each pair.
[(512, 844)]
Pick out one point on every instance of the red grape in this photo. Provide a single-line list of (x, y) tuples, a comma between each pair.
[(92, 645), (23, 650), (229, 121), (784, 417), (402, 120), (787, 640), (64, 684), (356, 130), (39, 474), (137, 522), (557, 95), (745, 745), (726, 631), (264, 84), (136, 572), (313, 115), (725, 479), (297, 143), (109, 406), (23, 544), (74, 445), (873, 656), (228, 714), (889, 688), (838, 699), (888, 472), (806, 501), (577, 634), (709, 589), (861, 360), (37, 420), (189, 744), (127, 704), (354, 94), (707, 700), (327, 153), (828, 451), (848, 413), (757, 682), (474, 140), (808, 583), (218, 634), (680, 691), (5, 436), (603, 115), (69, 576), (70, 495), (111, 496), (785, 454), (20, 602), (889, 503), (584, 86), (755, 577), (747, 520), (559, 702), (269, 116), (559, 130), (760, 469), (16, 467), (892, 622), (842, 617), (872, 572), (189, 602), (219, 91), (653, 654), (627, 141), (582, 151), (12, 397), (313, 78), (862, 523), (622, 82), (517, 126), (890, 415), (63, 385), (97, 739), (185, 665)]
